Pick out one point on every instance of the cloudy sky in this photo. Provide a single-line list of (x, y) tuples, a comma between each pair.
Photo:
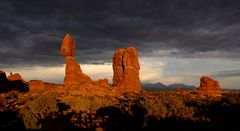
[(178, 40)]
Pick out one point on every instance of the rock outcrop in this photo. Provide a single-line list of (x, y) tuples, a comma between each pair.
[(15, 83), (126, 70), (102, 83), (15, 76), (36, 85), (73, 72), (209, 87), (126, 73)]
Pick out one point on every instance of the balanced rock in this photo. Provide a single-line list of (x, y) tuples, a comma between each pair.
[(209, 86), (126, 70), (73, 72)]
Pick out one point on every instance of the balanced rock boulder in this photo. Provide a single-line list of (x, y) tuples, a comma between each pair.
[(209, 87), (126, 70), (68, 46), (73, 72)]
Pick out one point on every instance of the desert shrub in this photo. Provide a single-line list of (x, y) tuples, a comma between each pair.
[(232, 98), (36, 109), (42, 105), (92, 103), (167, 105), (30, 120)]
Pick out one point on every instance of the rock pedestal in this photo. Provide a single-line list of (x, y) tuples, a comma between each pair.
[(126, 70), (73, 72)]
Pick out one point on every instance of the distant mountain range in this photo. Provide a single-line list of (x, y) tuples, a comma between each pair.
[(160, 86)]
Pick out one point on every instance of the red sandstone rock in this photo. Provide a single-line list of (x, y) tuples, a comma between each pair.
[(73, 73), (126, 70), (68, 46), (208, 86), (36, 85), (103, 83), (15, 76)]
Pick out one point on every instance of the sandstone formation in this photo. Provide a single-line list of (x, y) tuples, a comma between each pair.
[(15, 76), (209, 87), (103, 83), (73, 72), (68, 46), (36, 85), (14, 83), (75, 81), (126, 70)]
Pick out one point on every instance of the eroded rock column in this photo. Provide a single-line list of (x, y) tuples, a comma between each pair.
[(126, 70)]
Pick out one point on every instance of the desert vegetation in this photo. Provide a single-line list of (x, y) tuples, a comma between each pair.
[(129, 111)]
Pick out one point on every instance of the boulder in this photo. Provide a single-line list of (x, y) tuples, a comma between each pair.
[(126, 70), (68, 47)]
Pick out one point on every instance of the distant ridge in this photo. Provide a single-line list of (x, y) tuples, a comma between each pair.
[(160, 86)]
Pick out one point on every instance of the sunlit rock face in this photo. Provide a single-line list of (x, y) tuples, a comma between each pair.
[(126, 70), (126, 73), (209, 86), (73, 72), (68, 46), (36, 86), (15, 76)]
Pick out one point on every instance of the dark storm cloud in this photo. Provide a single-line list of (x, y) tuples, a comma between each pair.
[(227, 73), (31, 31)]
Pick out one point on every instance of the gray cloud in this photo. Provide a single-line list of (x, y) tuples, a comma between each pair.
[(227, 73), (31, 31)]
